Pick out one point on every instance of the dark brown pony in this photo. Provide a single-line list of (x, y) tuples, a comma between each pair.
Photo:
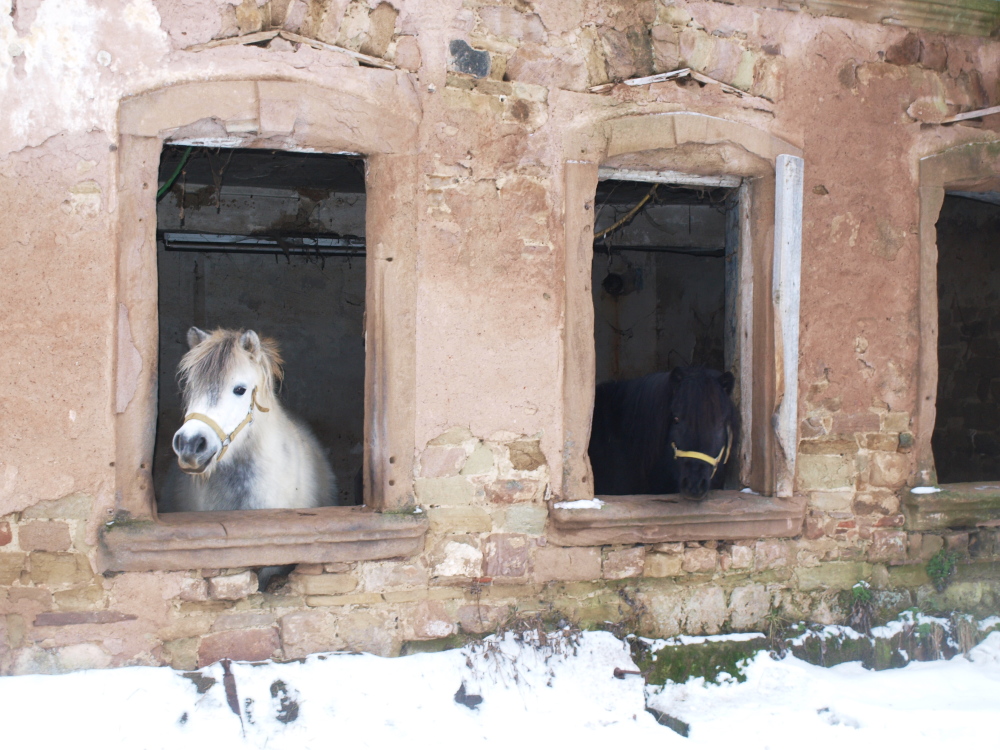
[(663, 433)]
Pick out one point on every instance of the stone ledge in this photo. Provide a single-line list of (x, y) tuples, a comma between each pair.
[(957, 506), (187, 541), (650, 519)]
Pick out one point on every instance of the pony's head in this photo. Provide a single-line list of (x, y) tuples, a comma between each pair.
[(226, 377), (703, 426)]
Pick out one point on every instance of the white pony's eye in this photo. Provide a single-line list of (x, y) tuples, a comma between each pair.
[(239, 390)]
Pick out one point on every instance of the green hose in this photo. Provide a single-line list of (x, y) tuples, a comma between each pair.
[(173, 178)]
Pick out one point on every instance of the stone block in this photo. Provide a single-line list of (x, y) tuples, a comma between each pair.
[(77, 507), (888, 469), (748, 606), (465, 59), (958, 542), (908, 576), (479, 462), (480, 618), (525, 518), (624, 563), (444, 491), (507, 556), (662, 565), (47, 536), (770, 554), (880, 441), (382, 576), (325, 584), (526, 455), (304, 633), (11, 565), (930, 545), (429, 620), (239, 645), (459, 520), (310, 569), (458, 560), (407, 53), (6, 535), (700, 560), (80, 656), (822, 472), (512, 25), (243, 621), (831, 501), (441, 460), (233, 587), (57, 568), (86, 597), (567, 564), (835, 576), (454, 436), (830, 446), (849, 424), (506, 491), (370, 632), (181, 653), (344, 600), (896, 421), (742, 556), (904, 52), (194, 590), (934, 55), (705, 611), (665, 608), (888, 544)]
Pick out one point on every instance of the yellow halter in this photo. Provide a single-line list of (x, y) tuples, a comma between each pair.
[(228, 439), (713, 462)]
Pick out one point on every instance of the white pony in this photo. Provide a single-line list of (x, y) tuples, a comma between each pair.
[(238, 448)]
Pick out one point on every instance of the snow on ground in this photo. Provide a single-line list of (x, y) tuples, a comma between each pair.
[(528, 701)]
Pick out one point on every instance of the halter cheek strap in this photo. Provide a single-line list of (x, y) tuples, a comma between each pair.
[(713, 462), (228, 439)]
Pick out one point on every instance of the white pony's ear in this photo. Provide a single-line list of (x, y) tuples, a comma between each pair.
[(195, 337), (250, 342)]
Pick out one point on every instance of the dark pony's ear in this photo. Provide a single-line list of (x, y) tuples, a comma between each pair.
[(727, 381), (195, 336)]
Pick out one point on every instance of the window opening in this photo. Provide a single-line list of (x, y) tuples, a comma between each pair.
[(966, 437), (665, 287), (273, 242)]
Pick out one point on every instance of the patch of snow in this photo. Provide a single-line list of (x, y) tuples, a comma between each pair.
[(748, 491), (594, 504), (924, 490), (989, 487)]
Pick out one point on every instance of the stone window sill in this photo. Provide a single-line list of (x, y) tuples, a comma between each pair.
[(187, 541), (957, 506), (650, 519)]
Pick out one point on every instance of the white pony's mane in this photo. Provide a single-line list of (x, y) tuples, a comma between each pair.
[(203, 369)]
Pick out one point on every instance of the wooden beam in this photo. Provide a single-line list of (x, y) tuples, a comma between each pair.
[(667, 176), (785, 295)]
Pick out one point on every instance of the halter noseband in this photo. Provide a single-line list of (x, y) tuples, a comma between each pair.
[(713, 462), (228, 439)]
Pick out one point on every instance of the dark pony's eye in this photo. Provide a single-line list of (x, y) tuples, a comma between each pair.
[(239, 390), (676, 420)]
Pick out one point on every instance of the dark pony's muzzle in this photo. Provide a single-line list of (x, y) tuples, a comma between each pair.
[(695, 478)]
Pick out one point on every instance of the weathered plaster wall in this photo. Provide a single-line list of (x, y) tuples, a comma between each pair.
[(488, 200)]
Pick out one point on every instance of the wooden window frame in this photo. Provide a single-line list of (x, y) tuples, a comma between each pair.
[(281, 115), (771, 171)]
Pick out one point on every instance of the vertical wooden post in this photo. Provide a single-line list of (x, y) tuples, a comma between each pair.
[(785, 297)]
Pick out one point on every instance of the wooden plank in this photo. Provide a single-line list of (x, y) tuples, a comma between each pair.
[(375, 62), (746, 332), (971, 115), (658, 78), (259, 36), (668, 176), (785, 292)]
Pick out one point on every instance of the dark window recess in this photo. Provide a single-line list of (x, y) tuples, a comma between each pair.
[(271, 241), (665, 281), (966, 438)]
